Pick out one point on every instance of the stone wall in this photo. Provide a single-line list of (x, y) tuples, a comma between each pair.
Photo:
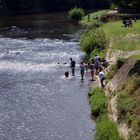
[(119, 78)]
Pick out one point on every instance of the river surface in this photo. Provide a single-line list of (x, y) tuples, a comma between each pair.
[(36, 101)]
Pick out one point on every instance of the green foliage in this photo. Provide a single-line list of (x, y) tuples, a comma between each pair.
[(135, 133), (125, 104), (129, 3), (106, 129), (113, 69), (94, 24), (129, 106), (98, 13), (132, 84), (98, 101), (112, 6), (76, 13), (136, 57), (92, 39), (95, 52)]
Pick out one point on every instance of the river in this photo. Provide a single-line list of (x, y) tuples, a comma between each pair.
[(36, 101)]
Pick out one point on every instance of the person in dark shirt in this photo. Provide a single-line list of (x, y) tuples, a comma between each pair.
[(82, 70), (72, 66)]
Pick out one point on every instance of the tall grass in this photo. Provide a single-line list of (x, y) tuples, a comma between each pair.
[(129, 105), (106, 129), (98, 101)]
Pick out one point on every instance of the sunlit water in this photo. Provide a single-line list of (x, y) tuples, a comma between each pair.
[(36, 101)]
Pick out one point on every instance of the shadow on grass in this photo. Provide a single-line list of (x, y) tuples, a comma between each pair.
[(135, 69)]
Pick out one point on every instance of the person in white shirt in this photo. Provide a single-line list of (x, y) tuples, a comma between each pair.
[(102, 77)]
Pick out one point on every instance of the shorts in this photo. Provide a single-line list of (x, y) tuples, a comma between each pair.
[(82, 72)]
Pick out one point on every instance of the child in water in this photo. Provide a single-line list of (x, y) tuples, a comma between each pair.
[(66, 74)]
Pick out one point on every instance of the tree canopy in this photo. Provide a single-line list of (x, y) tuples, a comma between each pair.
[(127, 3), (18, 6), (22, 6)]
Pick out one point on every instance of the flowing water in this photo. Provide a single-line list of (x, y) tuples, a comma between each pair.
[(36, 101)]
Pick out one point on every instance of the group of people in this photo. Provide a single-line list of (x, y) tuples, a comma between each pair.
[(127, 23), (95, 67)]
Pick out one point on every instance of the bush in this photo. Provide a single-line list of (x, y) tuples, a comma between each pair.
[(106, 129), (92, 39), (76, 13), (98, 101), (95, 24), (95, 52)]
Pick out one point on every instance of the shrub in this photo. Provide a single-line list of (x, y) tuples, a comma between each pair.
[(95, 24), (98, 101), (106, 129), (95, 52), (76, 13), (92, 39)]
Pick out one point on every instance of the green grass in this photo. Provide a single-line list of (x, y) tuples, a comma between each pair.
[(124, 38), (136, 57), (92, 15), (106, 129), (129, 105), (98, 101)]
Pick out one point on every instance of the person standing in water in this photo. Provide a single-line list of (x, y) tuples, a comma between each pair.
[(82, 70), (92, 69), (72, 66)]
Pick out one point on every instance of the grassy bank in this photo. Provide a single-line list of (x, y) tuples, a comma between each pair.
[(124, 38), (129, 106), (99, 13), (105, 128), (93, 41), (127, 41)]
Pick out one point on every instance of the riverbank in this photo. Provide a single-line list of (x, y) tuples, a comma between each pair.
[(122, 42)]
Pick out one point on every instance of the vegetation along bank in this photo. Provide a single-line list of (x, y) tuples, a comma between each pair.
[(116, 110)]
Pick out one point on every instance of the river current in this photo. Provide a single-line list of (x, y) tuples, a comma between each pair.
[(36, 101)]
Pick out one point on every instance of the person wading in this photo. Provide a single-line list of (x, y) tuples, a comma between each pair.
[(72, 66), (82, 70)]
